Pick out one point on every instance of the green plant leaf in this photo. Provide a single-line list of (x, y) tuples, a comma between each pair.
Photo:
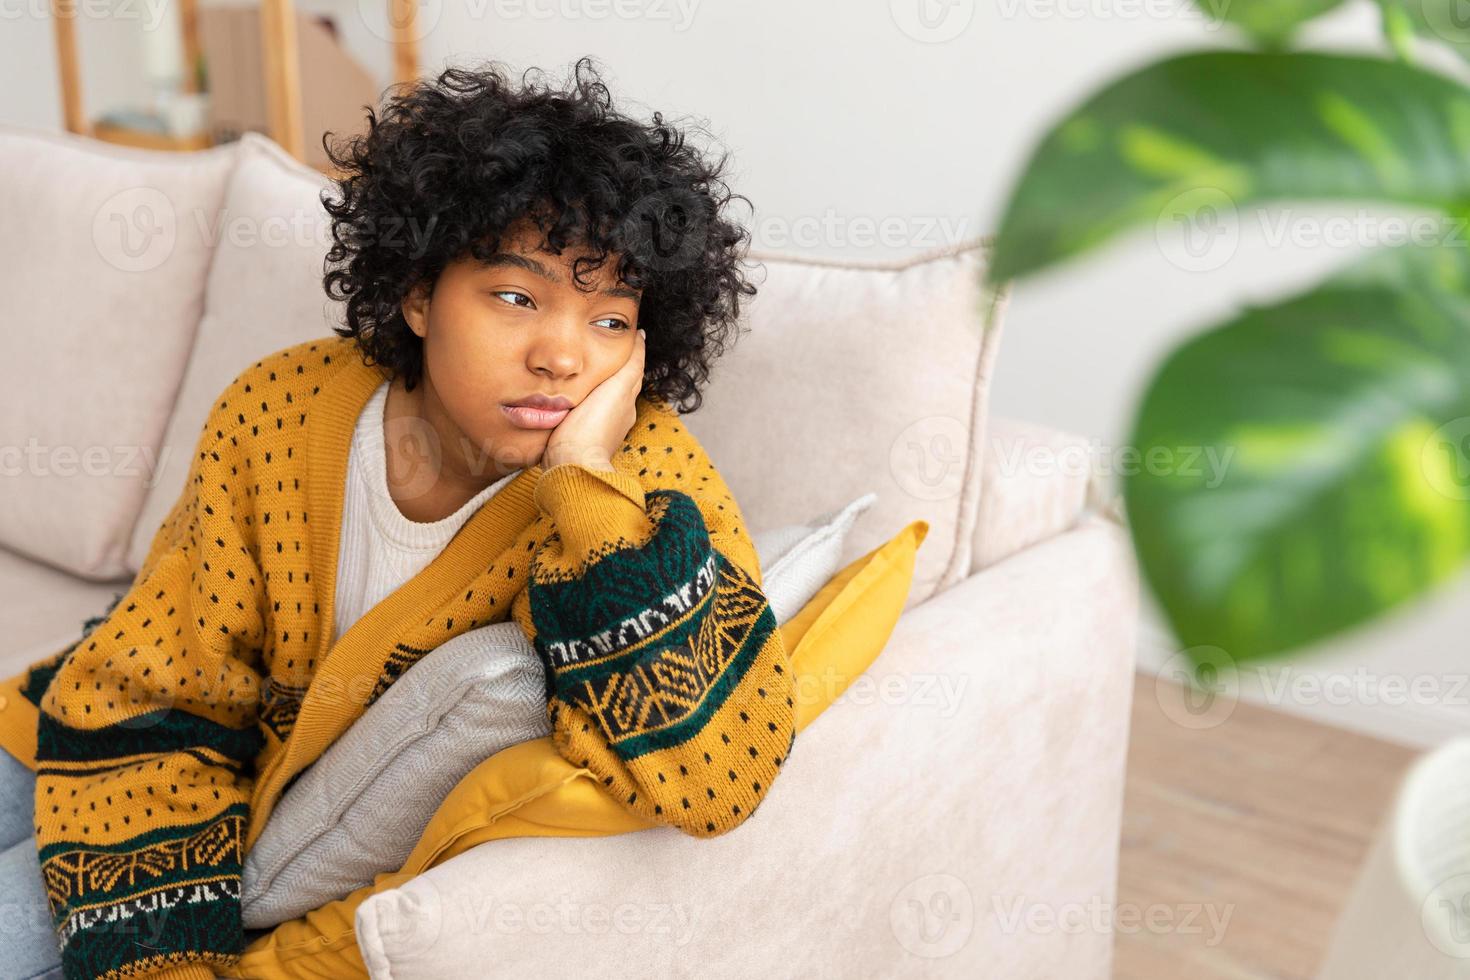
[(1306, 466), (1270, 22), (1224, 130)]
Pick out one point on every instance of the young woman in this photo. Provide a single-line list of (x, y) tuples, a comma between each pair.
[(532, 283)]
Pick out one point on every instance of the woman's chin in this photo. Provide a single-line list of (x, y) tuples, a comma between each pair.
[(523, 449), (510, 449)]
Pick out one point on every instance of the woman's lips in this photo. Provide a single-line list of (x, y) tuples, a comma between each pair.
[(523, 417)]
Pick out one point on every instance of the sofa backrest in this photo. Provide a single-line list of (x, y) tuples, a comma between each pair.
[(846, 378), (858, 377)]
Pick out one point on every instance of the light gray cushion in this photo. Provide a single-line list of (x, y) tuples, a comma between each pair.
[(797, 560), (361, 807)]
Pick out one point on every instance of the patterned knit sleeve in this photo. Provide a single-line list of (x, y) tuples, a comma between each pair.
[(666, 673), (146, 744)]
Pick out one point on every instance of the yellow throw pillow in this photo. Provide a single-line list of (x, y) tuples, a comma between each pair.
[(528, 790)]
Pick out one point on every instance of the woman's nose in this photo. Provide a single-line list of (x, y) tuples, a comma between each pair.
[(557, 349)]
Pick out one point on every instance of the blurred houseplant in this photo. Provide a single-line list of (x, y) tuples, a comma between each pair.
[(1345, 410)]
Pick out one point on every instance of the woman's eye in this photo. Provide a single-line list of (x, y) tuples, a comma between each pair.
[(511, 292), (615, 323)]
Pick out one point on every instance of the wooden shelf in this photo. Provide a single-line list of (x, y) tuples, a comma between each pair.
[(282, 70), (124, 136)]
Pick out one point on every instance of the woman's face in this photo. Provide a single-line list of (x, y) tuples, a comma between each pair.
[(500, 331)]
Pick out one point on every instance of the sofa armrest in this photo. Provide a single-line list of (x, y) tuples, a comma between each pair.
[(1037, 482), (968, 787)]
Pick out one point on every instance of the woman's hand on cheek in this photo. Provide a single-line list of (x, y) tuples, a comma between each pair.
[(593, 432)]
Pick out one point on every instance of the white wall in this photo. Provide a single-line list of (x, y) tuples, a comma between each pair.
[(842, 122)]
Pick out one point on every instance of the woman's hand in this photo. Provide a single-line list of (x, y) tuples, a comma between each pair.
[(593, 432)]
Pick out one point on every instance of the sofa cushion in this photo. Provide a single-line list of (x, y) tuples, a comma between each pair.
[(106, 249), (264, 292), (1037, 482), (869, 377), (359, 809)]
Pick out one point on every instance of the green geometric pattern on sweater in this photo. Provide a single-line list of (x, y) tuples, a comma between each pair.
[(653, 674), (172, 888)]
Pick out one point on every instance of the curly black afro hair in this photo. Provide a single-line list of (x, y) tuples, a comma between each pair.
[(448, 165)]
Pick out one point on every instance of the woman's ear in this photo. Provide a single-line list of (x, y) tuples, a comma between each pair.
[(415, 308)]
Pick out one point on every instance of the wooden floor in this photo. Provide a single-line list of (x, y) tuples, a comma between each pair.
[(1241, 840)]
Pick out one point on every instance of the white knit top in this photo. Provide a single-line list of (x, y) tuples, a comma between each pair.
[(381, 549)]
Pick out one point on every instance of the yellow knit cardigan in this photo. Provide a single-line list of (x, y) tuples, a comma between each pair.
[(164, 736)]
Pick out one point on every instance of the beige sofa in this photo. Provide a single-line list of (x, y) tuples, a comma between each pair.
[(947, 819)]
